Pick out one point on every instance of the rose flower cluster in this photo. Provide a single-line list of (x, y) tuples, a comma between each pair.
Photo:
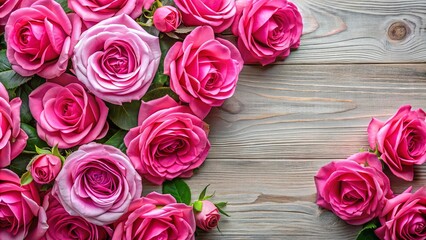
[(98, 97), (359, 192)]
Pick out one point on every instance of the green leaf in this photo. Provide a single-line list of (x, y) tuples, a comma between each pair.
[(203, 193), (23, 92), (26, 178), (158, 93), (221, 205), (42, 151), (198, 206), (117, 140), (8, 76), (64, 5), (126, 115), (168, 2), (367, 231), (19, 164), (33, 139), (179, 190)]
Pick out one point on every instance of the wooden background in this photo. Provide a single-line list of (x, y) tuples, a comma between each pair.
[(357, 59)]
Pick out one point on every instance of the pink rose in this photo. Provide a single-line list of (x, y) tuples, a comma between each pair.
[(66, 114), (21, 216), (117, 59), (218, 14), (401, 140), (8, 6), (97, 182), (66, 227), (404, 217), (169, 142), (203, 70), (147, 4), (354, 189), (92, 11), (12, 138), (40, 39), (267, 30), (44, 168), (156, 216), (209, 216), (167, 19)]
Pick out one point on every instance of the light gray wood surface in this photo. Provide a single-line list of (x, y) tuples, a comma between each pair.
[(358, 59)]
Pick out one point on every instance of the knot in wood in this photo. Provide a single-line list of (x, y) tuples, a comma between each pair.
[(398, 31)]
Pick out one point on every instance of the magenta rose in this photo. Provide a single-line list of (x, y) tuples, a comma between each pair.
[(267, 30), (92, 11), (218, 14), (44, 168), (6, 8), (203, 70), (169, 141), (66, 114), (21, 216), (66, 227), (354, 189), (401, 140), (40, 39), (12, 138), (167, 19), (97, 182), (404, 217), (209, 216), (117, 59), (156, 216)]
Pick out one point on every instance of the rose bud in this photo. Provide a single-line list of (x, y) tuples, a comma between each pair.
[(209, 216), (167, 19), (45, 167)]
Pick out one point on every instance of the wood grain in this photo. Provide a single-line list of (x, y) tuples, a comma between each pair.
[(281, 126), (347, 31)]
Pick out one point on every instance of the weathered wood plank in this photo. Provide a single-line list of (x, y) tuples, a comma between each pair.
[(347, 31), (274, 199), (310, 111)]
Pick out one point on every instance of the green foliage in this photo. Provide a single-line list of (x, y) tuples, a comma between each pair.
[(8, 77), (19, 164), (117, 140), (367, 231), (33, 139), (26, 178), (220, 207), (198, 206), (126, 115), (160, 92), (179, 190)]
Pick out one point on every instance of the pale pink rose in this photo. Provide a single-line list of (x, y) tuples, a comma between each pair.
[(12, 138), (218, 14), (167, 19), (66, 227), (209, 216), (267, 30), (401, 140), (169, 141), (66, 114), (92, 11), (44, 168), (355, 189), (156, 216), (117, 59), (404, 217), (21, 216), (203, 70), (40, 39), (98, 183)]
